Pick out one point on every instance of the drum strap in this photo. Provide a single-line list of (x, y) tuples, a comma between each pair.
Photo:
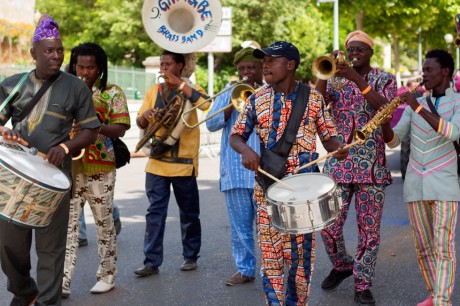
[(284, 144), (274, 160), (14, 91), (28, 108)]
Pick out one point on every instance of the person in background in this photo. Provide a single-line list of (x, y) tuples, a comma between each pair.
[(47, 128), (83, 239), (267, 112), (95, 175), (236, 182), (172, 163), (431, 188), (364, 174)]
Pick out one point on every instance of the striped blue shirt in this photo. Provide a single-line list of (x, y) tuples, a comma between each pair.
[(232, 172)]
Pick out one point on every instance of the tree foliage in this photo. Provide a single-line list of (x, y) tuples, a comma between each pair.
[(117, 26)]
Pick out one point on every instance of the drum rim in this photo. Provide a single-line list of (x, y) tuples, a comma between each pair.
[(302, 202), (32, 180)]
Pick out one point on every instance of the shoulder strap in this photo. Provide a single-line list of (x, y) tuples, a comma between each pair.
[(14, 91), (434, 111), (284, 144), (28, 108), (431, 106)]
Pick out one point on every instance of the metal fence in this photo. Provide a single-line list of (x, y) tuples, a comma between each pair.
[(133, 81)]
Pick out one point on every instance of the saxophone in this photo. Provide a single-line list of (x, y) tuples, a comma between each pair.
[(377, 120)]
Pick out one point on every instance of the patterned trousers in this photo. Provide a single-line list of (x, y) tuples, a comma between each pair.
[(98, 190), (433, 226), (277, 249), (369, 200)]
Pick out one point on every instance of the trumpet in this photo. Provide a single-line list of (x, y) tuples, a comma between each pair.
[(324, 67), (240, 92), (375, 122)]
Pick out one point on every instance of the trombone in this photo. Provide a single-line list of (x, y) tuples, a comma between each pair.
[(240, 92)]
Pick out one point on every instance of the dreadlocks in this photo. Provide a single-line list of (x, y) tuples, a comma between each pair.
[(90, 49)]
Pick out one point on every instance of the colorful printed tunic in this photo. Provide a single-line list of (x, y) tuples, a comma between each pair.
[(258, 113), (366, 163), (111, 108)]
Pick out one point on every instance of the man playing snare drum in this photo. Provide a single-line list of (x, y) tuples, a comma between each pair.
[(46, 127), (268, 111)]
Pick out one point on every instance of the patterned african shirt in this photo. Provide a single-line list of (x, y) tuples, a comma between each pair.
[(258, 114), (111, 108), (366, 163)]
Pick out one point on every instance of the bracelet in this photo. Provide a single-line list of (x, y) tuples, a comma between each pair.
[(419, 108), (366, 90), (98, 132), (182, 85), (66, 149)]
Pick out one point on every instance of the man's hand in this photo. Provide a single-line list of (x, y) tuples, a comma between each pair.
[(55, 155), (250, 159), (12, 135), (340, 153)]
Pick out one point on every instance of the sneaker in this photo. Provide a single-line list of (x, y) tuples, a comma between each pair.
[(65, 293), (189, 265), (335, 278), (239, 279), (117, 222), (427, 302), (364, 298), (146, 271), (102, 287), (82, 242)]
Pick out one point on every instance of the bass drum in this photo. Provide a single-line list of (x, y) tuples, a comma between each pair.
[(314, 205), (30, 188), (182, 26)]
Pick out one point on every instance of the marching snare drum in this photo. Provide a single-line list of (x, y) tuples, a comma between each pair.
[(314, 205), (30, 188)]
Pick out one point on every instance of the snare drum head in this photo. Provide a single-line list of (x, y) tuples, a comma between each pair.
[(308, 186), (17, 159)]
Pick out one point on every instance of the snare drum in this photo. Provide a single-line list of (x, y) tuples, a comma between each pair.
[(314, 205), (30, 188)]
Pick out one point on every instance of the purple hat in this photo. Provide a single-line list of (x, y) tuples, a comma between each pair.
[(47, 28)]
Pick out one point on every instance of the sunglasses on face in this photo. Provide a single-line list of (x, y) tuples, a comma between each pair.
[(356, 49)]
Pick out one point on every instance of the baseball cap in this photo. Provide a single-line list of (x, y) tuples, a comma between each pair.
[(279, 49)]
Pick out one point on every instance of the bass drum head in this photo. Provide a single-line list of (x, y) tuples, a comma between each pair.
[(182, 26), (32, 168), (307, 186)]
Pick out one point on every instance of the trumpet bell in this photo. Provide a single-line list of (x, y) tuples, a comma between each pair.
[(457, 41), (323, 67), (239, 95)]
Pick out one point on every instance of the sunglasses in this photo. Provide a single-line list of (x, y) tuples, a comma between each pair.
[(357, 49)]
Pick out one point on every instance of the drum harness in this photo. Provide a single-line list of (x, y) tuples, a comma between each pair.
[(274, 160)]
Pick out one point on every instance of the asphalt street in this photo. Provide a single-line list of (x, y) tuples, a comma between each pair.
[(398, 280)]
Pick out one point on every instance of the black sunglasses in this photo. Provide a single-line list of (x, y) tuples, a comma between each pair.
[(357, 49)]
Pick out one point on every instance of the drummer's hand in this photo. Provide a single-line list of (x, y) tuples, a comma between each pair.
[(250, 159), (340, 153), (56, 155), (12, 135)]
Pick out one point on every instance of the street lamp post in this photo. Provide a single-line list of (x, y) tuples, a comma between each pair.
[(449, 38), (336, 20)]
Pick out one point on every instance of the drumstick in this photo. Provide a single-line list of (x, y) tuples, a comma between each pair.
[(327, 155), (275, 179)]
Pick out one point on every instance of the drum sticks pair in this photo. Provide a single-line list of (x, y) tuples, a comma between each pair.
[(307, 165)]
